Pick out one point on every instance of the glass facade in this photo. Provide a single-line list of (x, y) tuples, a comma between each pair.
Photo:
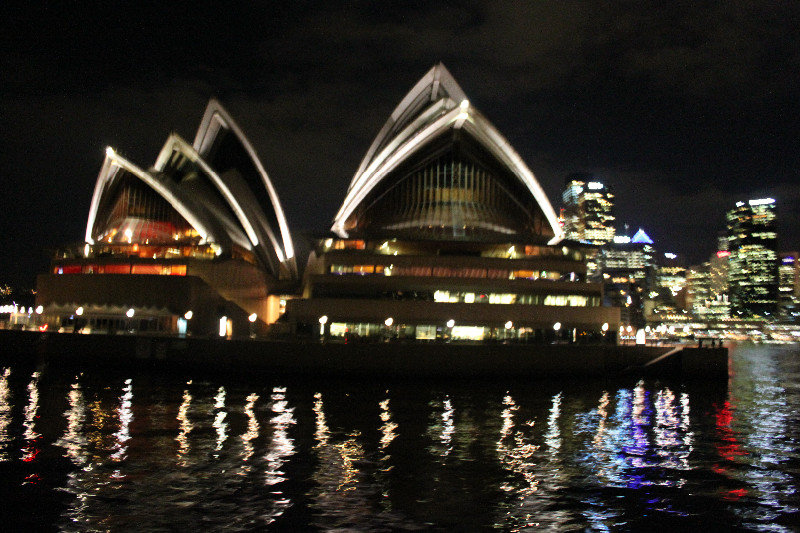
[(137, 214), (450, 195)]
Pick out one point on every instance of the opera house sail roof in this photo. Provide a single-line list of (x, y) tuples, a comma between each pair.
[(438, 169), (214, 192)]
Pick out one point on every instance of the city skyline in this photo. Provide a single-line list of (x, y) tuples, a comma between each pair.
[(697, 104)]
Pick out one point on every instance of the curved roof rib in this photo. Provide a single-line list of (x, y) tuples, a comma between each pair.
[(197, 216), (434, 106), (217, 120)]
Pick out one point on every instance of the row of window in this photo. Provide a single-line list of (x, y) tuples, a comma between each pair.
[(454, 272), (122, 268), (513, 251), (560, 300)]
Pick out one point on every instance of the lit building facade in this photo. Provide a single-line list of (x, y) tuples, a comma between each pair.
[(445, 234), (197, 243), (588, 214), (753, 263), (625, 269)]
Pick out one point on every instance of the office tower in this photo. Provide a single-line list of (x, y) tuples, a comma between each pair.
[(588, 210), (753, 263)]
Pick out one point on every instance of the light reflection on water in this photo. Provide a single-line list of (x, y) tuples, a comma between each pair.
[(145, 453)]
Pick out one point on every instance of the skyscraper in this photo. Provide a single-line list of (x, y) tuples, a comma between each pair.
[(588, 210), (753, 263)]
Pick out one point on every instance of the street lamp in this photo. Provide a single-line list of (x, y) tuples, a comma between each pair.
[(451, 323), (79, 311), (509, 325), (557, 326), (604, 327), (188, 315), (389, 321), (322, 321)]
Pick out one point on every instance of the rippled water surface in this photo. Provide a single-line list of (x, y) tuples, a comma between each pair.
[(151, 453)]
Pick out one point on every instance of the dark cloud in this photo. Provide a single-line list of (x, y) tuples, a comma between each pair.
[(682, 107)]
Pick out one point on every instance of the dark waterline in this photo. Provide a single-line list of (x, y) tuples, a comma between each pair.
[(144, 452)]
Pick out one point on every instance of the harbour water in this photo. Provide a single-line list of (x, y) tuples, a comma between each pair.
[(150, 452)]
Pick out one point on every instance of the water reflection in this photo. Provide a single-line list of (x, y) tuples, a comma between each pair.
[(251, 434), (220, 424), (125, 413), (29, 415), (74, 440), (156, 454), (185, 427), (5, 414), (339, 499), (553, 436), (442, 427), (280, 449)]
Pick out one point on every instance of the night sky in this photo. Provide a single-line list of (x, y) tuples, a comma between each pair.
[(682, 108)]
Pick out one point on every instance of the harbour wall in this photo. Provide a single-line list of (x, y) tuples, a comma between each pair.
[(195, 355)]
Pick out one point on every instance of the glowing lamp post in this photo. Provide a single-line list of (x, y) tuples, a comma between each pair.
[(252, 319), (322, 321)]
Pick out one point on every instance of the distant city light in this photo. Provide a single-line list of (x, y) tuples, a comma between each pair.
[(39, 310), (594, 185), (604, 327), (788, 259), (760, 201), (723, 253), (557, 326), (670, 255), (509, 325), (389, 321), (129, 313), (621, 239), (79, 311)]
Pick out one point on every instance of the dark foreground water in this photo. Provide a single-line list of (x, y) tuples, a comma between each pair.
[(163, 453)]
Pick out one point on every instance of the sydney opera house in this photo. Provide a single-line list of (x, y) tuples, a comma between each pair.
[(444, 234)]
